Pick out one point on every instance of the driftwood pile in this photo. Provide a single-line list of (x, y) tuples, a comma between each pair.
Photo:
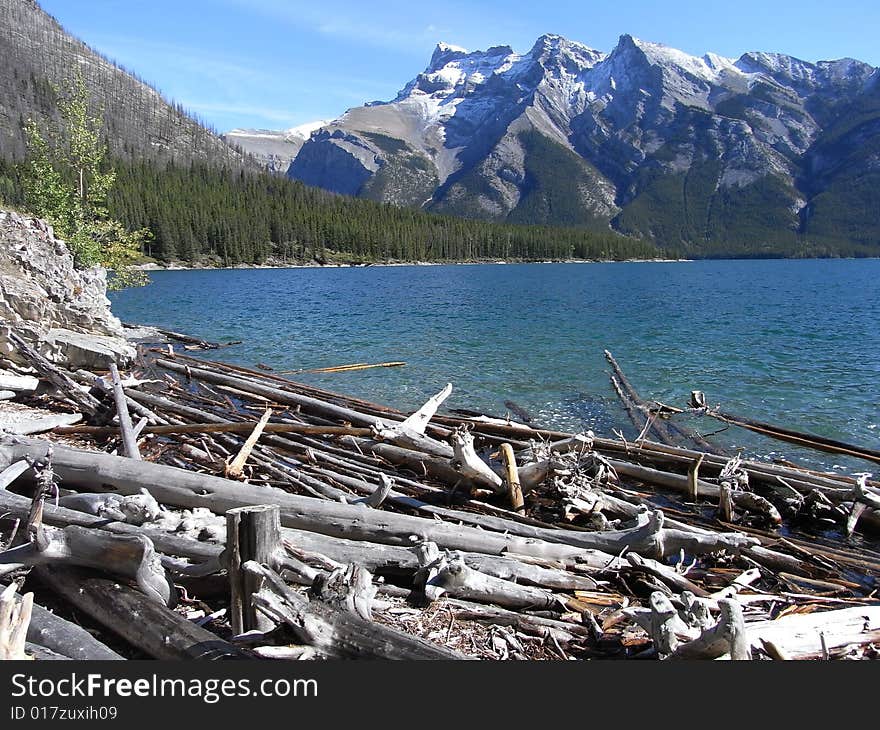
[(238, 514)]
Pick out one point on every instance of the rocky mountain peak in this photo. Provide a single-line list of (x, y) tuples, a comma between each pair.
[(567, 133)]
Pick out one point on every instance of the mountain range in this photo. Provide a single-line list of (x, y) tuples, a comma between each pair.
[(764, 154)]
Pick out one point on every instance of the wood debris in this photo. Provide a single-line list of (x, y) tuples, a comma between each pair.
[(246, 515)]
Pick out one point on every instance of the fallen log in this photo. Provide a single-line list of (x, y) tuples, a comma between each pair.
[(211, 428), (810, 635), (728, 636), (158, 631), (15, 617), (666, 432), (342, 368), (277, 395), (812, 441), (13, 472), (131, 557), (178, 487), (129, 440), (69, 389), (234, 468), (337, 632), (66, 638), (445, 573)]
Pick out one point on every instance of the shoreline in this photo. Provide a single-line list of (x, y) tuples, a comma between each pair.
[(177, 266)]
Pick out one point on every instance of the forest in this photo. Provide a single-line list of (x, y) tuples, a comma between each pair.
[(200, 213)]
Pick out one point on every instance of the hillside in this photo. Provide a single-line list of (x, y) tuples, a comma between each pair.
[(38, 54)]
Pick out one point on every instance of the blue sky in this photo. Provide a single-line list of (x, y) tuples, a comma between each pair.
[(279, 63)]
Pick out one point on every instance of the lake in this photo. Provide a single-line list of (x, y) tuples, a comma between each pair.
[(793, 343)]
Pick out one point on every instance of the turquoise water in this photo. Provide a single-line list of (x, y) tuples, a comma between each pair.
[(794, 343)]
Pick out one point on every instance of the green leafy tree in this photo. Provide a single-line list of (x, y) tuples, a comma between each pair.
[(67, 182)]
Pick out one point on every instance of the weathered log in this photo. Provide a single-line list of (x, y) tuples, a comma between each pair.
[(235, 467), (836, 487), (563, 632), (306, 403), (252, 533), (394, 560), (386, 559), (335, 632), (677, 482), (376, 499), (135, 509), (129, 440), (446, 573), (728, 636), (43, 654), (665, 573), (812, 441), (751, 502), (189, 340), (15, 617), (153, 628), (410, 433), (178, 487), (13, 472), (810, 634), (470, 466), (65, 385), (131, 557), (13, 506), (514, 487), (666, 432), (232, 427), (87, 378)]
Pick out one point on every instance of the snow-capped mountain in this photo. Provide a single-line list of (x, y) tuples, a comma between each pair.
[(695, 151), (272, 148)]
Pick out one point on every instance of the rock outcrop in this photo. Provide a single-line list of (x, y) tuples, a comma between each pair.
[(60, 310)]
